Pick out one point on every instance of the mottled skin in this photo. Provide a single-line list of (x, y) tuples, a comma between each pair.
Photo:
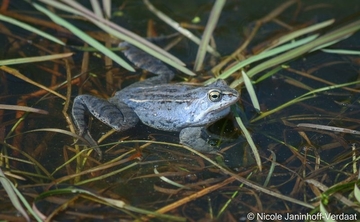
[(171, 107)]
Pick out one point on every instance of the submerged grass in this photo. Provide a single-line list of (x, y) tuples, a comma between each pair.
[(192, 185)]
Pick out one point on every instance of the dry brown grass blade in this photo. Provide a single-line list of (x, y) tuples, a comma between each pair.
[(23, 108), (91, 170), (33, 20), (195, 195), (66, 115), (308, 75), (16, 73)]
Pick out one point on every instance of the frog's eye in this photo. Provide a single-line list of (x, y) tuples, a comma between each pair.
[(214, 95)]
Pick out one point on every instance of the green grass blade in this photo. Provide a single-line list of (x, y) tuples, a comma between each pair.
[(34, 59), (341, 51), (85, 37), (107, 8), (250, 88), (305, 96), (30, 29), (271, 170), (123, 34), (326, 44), (12, 196), (330, 37), (178, 27), (96, 8), (210, 26), (304, 31), (263, 55), (249, 140), (269, 74), (325, 214), (357, 192), (10, 190)]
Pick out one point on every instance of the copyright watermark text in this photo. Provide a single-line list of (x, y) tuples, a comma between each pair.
[(301, 216)]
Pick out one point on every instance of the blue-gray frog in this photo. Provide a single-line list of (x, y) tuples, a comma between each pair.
[(187, 109)]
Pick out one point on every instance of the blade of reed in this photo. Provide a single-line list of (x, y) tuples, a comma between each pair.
[(326, 44), (335, 191), (23, 108), (107, 8), (261, 56), (325, 213), (268, 17), (34, 59), (210, 26), (123, 34), (248, 139), (303, 31), (31, 160), (96, 8), (329, 128), (56, 130), (339, 33), (118, 204), (324, 40), (341, 51), (16, 73), (271, 170), (30, 29), (269, 73), (305, 96), (178, 27), (250, 88), (357, 192), (315, 43), (10, 190), (85, 37), (167, 180)]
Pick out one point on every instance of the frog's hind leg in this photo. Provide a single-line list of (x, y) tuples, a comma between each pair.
[(103, 110), (149, 63)]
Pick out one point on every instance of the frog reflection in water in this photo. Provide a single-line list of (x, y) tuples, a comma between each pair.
[(170, 107)]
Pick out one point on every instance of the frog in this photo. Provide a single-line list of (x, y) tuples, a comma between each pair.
[(158, 103)]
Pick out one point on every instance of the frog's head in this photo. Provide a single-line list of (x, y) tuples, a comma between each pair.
[(214, 103)]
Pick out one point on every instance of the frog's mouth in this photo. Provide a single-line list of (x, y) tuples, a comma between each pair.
[(214, 113), (211, 116)]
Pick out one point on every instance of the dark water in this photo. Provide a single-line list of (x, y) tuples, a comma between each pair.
[(277, 133)]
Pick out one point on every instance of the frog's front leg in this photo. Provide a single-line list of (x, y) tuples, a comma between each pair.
[(197, 138), (120, 117)]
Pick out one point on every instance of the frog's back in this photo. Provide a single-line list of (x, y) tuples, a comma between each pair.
[(173, 107), (165, 107)]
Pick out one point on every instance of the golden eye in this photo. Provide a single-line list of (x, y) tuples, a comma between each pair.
[(214, 95)]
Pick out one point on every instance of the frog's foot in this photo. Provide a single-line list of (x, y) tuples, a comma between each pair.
[(86, 135), (118, 118), (197, 138)]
